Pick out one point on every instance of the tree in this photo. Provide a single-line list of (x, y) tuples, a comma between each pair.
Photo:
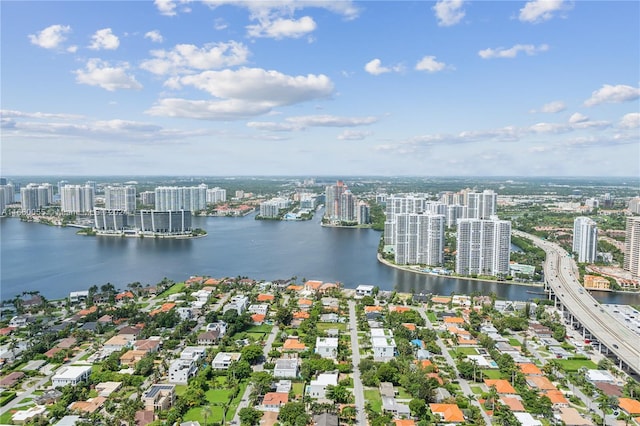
[(249, 416), (294, 413), (239, 370), (284, 316), (339, 394), (261, 382), (418, 407), (206, 413), (348, 414), (252, 353)]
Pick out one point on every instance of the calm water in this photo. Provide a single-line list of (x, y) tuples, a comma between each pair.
[(56, 261)]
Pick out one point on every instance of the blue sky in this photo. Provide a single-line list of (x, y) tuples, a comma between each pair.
[(448, 88)]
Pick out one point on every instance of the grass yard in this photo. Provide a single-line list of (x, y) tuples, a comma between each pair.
[(215, 399), (432, 317), (372, 396), (572, 365), (402, 393), (492, 374), (324, 326), (264, 328), (514, 342), (477, 390), (176, 288), (257, 337), (5, 419), (298, 389), (181, 389), (464, 351)]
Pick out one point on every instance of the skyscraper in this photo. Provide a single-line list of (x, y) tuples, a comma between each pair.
[(35, 196), (632, 246), (120, 198), (585, 239), (483, 246), (175, 198), (332, 200), (3, 204), (77, 199), (481, 205), (419, 239)]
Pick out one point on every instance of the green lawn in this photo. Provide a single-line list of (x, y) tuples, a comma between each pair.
[(257, 337), (432, 317), (514, 342), (298, 389), (176, 288), (264, 328), (464, 351), (402, 393), (492, 374), (477, 390), (181, 389), (571, 365), (372, 396), (324, 326), (5, 419), (215, 399)]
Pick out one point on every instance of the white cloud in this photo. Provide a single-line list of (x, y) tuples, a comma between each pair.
[(21, 114), (256, 84), (100, 73), (375, 67), (449, 12), (429, 63), (353, 135), (262, 8), (578, 118), (76, 126), (166, 7), (613, 94), (305, 121), (541, 10), (154, 36), (51, 37), (220, 24), (104, 39), (187, 57), (242, 93), (282, 28), (630, 121), (552, 107), (72, 49), (512, 52), (208, 110)]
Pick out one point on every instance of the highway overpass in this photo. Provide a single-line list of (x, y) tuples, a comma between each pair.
[(560, 272)]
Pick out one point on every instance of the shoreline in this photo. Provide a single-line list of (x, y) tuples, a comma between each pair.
[(407, 269)]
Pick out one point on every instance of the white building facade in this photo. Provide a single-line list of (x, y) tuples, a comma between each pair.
[(585, 239), (483, 247)]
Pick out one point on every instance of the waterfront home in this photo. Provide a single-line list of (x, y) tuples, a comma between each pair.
[(364, 290), (78, 296)]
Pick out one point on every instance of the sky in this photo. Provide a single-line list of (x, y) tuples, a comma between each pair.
[(219, 87)]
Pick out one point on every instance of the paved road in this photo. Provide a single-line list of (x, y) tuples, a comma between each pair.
[(358, 390), (560, 274), (258, 367), (464, 385)]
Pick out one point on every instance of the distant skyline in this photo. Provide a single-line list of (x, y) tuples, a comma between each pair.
[(218, 87)]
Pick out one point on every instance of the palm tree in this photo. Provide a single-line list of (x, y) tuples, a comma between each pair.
[(206, 412)]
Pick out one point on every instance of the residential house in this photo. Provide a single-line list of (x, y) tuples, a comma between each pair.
[(502, 386), (448, 413), (390, 405), (118, 342), (318, 387), (239, 303), (325, 419), (327, 347), (330, 317), (131, 357), (209, 338), (159, 397), (293, 344), (219, 326), (572, 417), (287, 368), (149, 345), (70, 375), (89, 406), (273, 401), (383, 344), (629, 406), (364, 290), (223, 360), (181, 370)]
